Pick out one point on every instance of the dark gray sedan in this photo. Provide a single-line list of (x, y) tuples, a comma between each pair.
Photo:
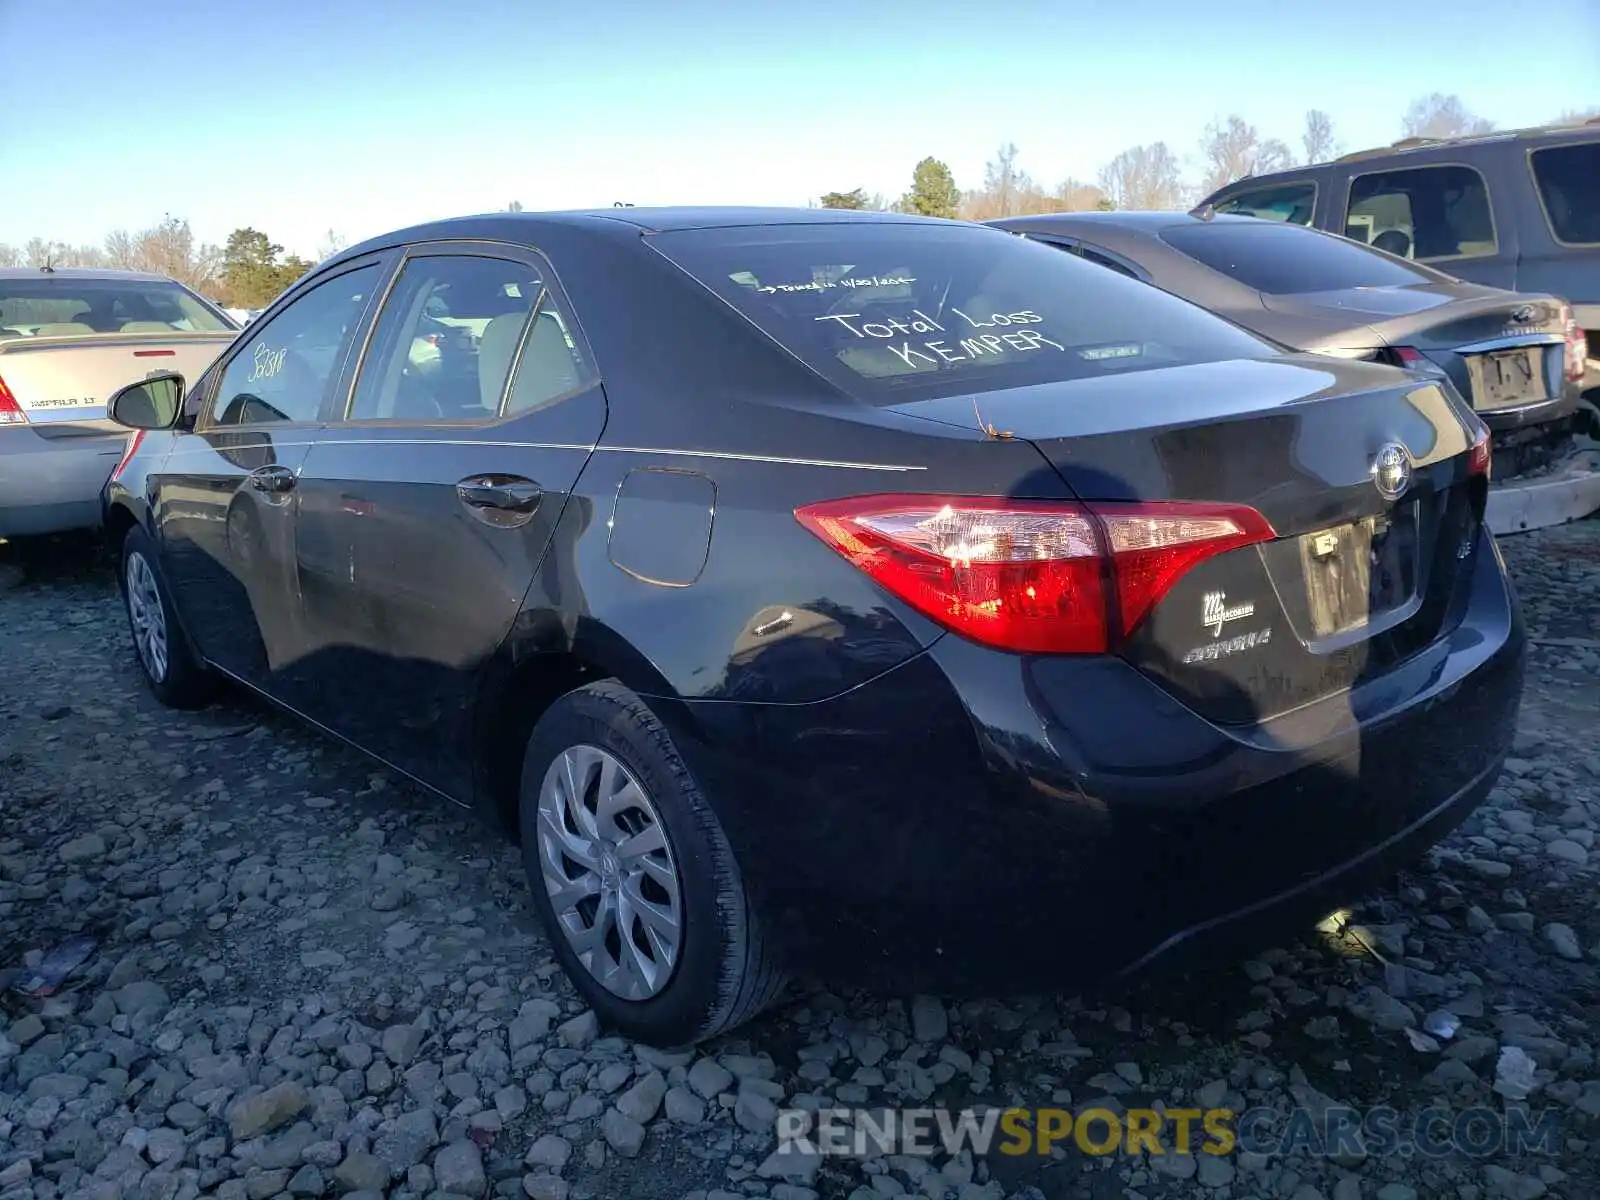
[(1518, 357)]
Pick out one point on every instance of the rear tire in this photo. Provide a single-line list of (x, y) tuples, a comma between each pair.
[(617, 836), (160, 646)]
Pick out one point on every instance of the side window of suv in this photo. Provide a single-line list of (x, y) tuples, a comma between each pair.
[(283, 369), (1423, 213), (1569, 184), (1292, 202)]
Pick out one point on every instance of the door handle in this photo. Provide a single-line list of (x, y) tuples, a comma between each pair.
[(276, 479), (509, 493)]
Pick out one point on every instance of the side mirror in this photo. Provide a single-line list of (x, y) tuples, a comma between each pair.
[(153, 403)]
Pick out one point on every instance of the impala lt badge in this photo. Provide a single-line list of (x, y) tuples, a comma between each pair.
[(1391, 471), (1215, 612)]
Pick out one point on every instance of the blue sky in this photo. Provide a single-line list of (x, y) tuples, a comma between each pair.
[(301, 115)]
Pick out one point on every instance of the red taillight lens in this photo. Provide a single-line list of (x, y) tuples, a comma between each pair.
[(1031, 576), (10, 411), (1410, 357), (128, 452), (1576, 361), (1481, 454)]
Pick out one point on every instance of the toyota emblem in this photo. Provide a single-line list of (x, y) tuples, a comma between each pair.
[(1524, 314), (1391, 471)]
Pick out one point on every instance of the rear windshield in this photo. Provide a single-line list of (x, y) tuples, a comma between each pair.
[(887, 311), (1569, 182), (44, 305), (1286, 260)]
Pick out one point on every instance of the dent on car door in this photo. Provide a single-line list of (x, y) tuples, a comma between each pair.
[(227, 495), (426, 511)]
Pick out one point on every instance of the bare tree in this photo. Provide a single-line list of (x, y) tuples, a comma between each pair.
[(1234, 149), (1318, 138), (333, 242), (1003, 182), (10, 256), (122, 251), (1074, 195), (1441, 116), (169, 248), (1577, 116), (1144, 177)]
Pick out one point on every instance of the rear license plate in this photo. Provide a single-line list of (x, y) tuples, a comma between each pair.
[(1507, 378), (1359, 571)]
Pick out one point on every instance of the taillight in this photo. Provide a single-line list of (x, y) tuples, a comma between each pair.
[(1410, 357), (1031, 576), (1481, 454), (128, 452), (1576, 361), (10, 411)]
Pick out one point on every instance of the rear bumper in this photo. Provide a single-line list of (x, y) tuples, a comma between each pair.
[(52, 485), (976, 821), (1502, 420)]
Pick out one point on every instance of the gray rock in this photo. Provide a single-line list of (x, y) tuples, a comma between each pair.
[(580, 1031), (458, 1168), (251, 1116), (408, 1140), (642, 1101), (1397, 1191), (546, 1187), (549, 1151), (26, 1030), (141, 996), (401, 1043), (307, 1181), (929, 1021), (1563, 941), (683, 1107), (1565, 850), (1213, 1170), (755, 1112), (708, 1078), (361, 1172), (622, 1133), (79, 849)]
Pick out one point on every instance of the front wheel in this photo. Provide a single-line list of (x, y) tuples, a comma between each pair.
[(170, 667), (633, 877)]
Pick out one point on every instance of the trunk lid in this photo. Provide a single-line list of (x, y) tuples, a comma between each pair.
[(62, 383), (1354, 582), (1500, 349)]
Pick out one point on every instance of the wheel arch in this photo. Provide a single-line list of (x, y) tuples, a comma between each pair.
[(543, 660)]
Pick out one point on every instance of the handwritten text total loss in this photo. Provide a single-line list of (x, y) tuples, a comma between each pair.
[(971, 344)]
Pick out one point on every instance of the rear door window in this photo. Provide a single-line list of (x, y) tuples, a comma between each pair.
[(1569, 184), (887, 309), (1291, 202), (1423, 213), (1282, 259), (451, 332)]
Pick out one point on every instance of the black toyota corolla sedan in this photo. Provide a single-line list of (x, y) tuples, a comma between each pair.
[(889, 598)]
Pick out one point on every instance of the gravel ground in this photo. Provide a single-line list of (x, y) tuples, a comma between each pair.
[(312, 979)]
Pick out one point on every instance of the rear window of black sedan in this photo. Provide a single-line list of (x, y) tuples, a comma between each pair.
[(893, 310), (1289, 260)]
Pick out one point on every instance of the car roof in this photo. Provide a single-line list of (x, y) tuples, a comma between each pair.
[(82, 273), (1140, 222), (1573, 133), (527, 226), (1416, 145)]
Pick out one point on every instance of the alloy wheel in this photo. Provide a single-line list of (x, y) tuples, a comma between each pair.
[(609, 871), (148, 618)]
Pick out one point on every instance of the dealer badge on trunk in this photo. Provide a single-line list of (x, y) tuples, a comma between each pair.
[(1215, 613)]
